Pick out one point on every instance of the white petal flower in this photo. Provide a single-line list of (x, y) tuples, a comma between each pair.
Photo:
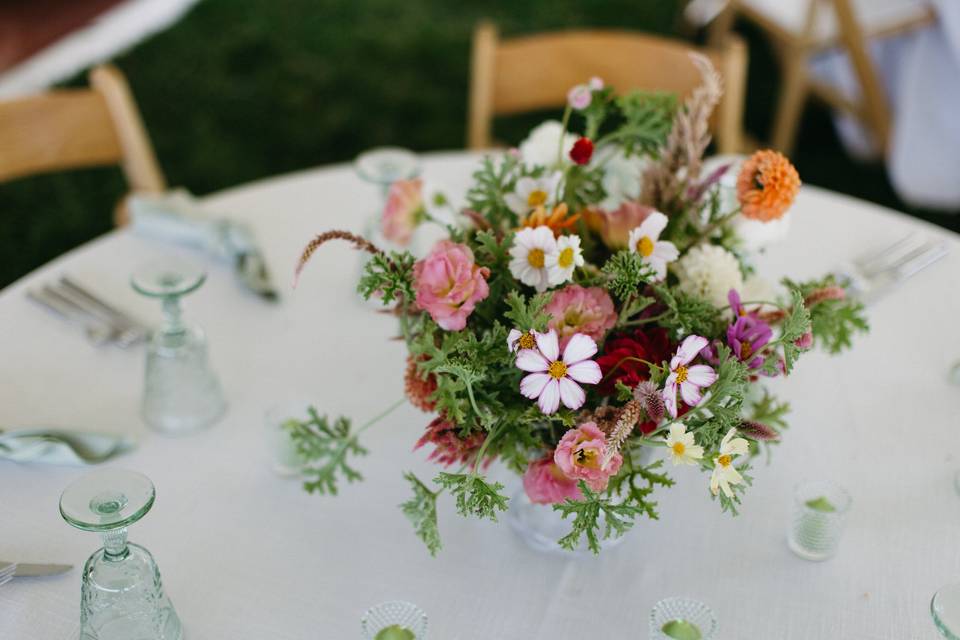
[(567, 257), (530, 193), (621, 176), (724, 473), (683, 446), (542, 145), (529, 253), (709, 271), (645, 240)]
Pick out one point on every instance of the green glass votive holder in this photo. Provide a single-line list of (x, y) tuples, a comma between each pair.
[(682, 619), (394, 620), (819, 515)]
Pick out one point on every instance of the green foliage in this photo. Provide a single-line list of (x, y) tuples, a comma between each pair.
[(587, 514), (596, 112), (687, 314), (793, 327), (626, 273), (770, 411), (474, 495), (421, 510), (325, 447), (494, 178), (528, 314), (722, 406), (583, 186), (390, 275), (649, 117), (634, 484), (834, 322)]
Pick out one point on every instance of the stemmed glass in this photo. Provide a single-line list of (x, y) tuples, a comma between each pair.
[(181, 391), (945, 609), (122, 597)]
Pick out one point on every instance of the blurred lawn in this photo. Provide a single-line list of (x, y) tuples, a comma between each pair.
[(242, 89)]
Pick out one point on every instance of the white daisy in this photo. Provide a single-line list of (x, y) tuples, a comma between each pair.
[(709, 272), (724, 473), (530, 193), (683, 446), (567, 257), (645, 240), (529, 256)]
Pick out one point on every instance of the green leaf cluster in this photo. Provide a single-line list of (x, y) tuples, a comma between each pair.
[(474, 495), (648, 119), (834, 322), (596, 518), (626, 274), (388, 275), (421, 511), (326, 449)]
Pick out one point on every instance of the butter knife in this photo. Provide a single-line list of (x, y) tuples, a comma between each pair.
[(27, 570)]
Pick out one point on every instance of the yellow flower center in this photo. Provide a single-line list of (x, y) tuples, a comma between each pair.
[(681, 372), (724, 460), (678, 448), (527, 341), (535, 258), (745, 351), (557, 369), (566, 258), (645, 246), (586, 457), (537, 197)]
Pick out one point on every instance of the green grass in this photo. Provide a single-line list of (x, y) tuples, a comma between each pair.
[(242, 89)]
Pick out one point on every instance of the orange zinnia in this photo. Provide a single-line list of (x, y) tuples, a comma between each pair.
[(558, 220), (767, 185)]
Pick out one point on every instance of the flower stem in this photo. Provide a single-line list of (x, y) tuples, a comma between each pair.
[(380, 416), (713, 226)]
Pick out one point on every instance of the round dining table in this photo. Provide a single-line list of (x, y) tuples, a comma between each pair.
[(247, 554)]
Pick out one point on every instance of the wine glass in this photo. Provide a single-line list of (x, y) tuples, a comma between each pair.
[(945, 609), (181, 392), (122, 597), (383, 166)]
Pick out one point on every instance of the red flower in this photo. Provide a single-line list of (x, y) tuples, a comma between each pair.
[(622, 354), (419, 387), (582, 151), (450, 447)]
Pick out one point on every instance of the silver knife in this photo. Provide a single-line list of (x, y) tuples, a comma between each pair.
[(27, 570)]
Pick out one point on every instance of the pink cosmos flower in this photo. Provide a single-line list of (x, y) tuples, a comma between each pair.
[(579, 97), (449, 285), (554, 379), (580, 455), (689, 379), (403, 211), (545, 483), (596, 83), (575, 309)]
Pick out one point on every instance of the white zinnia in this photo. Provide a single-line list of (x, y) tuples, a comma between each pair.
[(683, 446), (724, 473), (530, 193), (567, 257), (542, 145), (653, 251), (709, 271), (529, 256)]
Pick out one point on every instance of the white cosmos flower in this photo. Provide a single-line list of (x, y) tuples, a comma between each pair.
[(530, 193), (724, 473), (683, 446), (709, 272), (567, 257), (542, 145), (529, 256), (653, 251)]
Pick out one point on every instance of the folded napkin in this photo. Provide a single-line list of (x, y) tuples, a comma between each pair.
[(56, 446), (176, 216)]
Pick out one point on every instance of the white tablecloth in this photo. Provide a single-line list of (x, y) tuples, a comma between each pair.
[(248, 555)]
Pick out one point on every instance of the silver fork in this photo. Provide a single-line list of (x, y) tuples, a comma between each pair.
[(875, 273), (6, 573)]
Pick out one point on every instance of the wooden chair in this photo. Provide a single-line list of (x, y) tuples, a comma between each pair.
[(74, 128), (535, 72), (800, 29)]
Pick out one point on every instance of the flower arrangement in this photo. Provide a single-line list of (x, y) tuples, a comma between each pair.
[(595, 299)]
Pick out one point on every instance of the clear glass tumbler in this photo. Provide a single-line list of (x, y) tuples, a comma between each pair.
[(819, 514), (945, 609), (682, 619), (281, 449), (122, 597), (394, 620), (181, 391)]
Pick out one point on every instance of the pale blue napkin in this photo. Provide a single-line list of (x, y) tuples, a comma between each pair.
[(56, 446)]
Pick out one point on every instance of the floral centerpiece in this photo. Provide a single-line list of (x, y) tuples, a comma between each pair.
[(595, 301)]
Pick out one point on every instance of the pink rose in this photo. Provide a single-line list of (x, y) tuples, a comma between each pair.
[(449, 285), (615, 226), (580, 456), (403, 211), (546, 484), (575, 309)]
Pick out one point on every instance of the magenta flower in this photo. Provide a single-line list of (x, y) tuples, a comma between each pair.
[(575, 309), (553, 379), (403, 212), (580, 455), (545, 483), (449, 285), (689, 379), (747, 336)]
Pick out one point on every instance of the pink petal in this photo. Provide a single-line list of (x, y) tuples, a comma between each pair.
[(530, 360), (548, 345), (550, 397), (532, 385), (579, 348), (690, 393), (689, 349), (571, 394), (670, 398), (586, 372), (701, 375)]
